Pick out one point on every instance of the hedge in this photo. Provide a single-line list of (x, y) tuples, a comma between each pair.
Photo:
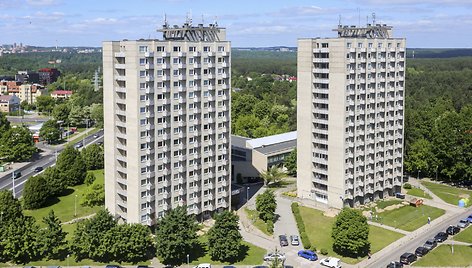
[(301, 226)]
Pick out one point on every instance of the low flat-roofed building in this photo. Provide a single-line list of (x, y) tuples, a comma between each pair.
[(61, 94), (250, 157)]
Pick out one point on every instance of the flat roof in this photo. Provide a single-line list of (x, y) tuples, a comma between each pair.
[(238, 141), (271, 140), (278, 147)]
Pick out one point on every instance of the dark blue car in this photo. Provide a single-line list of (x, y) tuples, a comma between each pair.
[(470, 218), (308, 254)]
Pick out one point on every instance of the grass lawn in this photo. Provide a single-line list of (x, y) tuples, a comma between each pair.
[(418, 192), (64, 206), (386, 203), (409, 218), (465, 236), (256, 221), (249, 255), (447, 193), (318, 229), (443, 257)]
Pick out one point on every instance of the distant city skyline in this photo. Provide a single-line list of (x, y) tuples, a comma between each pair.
[(425, 23)]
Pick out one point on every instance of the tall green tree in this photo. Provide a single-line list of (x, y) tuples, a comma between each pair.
[(266, 205), (89, 237), (96, 114), (10, 207), (4, 124), (17, 145), (94, 195), (52, 237), (351, 234), (61, 113), (35, 193), (128, 243), (50, 131), (45, 103), (71, 166), (93, 157), (176, 236), (56, 182), (224, 239), (20, 242), (290, 163)]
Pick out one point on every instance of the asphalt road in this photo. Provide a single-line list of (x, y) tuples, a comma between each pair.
[(44, 161), (415, 242)]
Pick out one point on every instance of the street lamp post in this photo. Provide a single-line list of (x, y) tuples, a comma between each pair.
[(247, 194), (75, 206), (419, 171), (188, 261), (13, 182), (437, 172)]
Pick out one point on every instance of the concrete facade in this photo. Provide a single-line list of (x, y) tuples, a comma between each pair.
[(9, 103), (351, 90), (167, 124)]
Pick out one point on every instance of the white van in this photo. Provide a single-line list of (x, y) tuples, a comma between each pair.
[(203, 265)]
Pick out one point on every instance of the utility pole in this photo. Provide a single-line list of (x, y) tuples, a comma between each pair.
[(13, 182)]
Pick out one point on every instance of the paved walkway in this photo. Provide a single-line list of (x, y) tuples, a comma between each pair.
[(389, 227)]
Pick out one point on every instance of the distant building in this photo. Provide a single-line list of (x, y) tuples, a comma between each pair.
[(350, 110), (9, 103), (61, 94), (27, 77), (251, 157), (29, 93), (48, 75)]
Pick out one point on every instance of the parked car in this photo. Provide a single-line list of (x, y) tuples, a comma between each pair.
[(142, 266), (294, 241), (452, 230), (463, 223), (430, 244), (308, 254), (408, 258), (470, 218), (331, 262), (38, 169), (203, 265), (400, 195), (273, 256), (395, 264), (95, 136), (112, 266), (440, 237), (78, 145), (283, 240), (421, 251)]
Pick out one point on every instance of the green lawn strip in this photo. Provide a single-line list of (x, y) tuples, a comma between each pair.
[(64, 206), (409, 218), (250, 254), (318, 229), (418, 192), (253, 215), (85, 262), (447, 193), (386, 203), (465, 236), (442, 256)]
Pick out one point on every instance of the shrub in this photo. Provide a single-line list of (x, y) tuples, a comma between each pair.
[(324, 251), (407, 186), (89, 179), (313, 248)]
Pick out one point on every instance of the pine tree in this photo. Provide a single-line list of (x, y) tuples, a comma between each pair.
[(224, 239)]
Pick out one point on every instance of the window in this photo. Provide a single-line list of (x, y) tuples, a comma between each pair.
[(143, 49), (142, 61), (221, 48), (142, 73), (176, 49), (349, 45), (159, 49), (192, 49), (206, 49)]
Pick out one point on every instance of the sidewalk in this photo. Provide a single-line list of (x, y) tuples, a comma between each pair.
[(389, 228)]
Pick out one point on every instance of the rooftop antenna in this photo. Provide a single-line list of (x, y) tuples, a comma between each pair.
[(367, 20), (373, 18), (339, 22), (203, 20), (216, 20), (165, 20)]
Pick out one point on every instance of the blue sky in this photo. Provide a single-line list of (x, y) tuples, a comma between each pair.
[(425, 23)]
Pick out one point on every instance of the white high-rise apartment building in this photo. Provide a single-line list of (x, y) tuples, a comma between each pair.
[(167, 123), (350, 116)]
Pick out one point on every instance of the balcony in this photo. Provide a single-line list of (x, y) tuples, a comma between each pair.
[(120, 54), (148, 54)]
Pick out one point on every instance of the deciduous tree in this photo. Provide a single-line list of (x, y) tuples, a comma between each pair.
[(351, 233), (224, 239), (71, 166), (16, 144), (176, 236), (93, 157), (50, 131), (35, 193), (290, 163), (266, 205)]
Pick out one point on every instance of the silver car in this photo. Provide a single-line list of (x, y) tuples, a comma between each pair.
[(294, 241), (273, 256), (463, 223)]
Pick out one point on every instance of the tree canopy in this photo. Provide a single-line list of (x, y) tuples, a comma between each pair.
[(351, 233)]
